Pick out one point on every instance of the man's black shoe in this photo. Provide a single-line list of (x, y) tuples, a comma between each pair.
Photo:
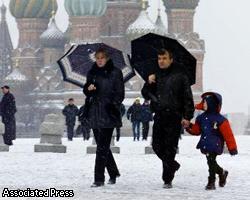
[(168, 185), (112, 181), (97, 184)]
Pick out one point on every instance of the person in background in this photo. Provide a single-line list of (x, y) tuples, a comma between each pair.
[(83, 128), (146, 117), (70, 112), (134, 115), (8, 110)]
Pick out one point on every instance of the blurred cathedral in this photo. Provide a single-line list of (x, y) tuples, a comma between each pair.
[(31, 69)]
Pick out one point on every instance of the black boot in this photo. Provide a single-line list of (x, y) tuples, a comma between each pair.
[(168, 185), (210, 184), (170, 174), (97, 184), (112, 180), (223, 178)]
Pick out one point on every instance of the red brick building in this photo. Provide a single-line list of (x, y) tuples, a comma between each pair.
[(109, 21)]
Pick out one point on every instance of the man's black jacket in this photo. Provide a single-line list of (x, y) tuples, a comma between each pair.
[(171, 92)]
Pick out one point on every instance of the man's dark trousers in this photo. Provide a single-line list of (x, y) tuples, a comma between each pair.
[(145, 129), (70, 131), (166, 133), (136, 129), (10, 130)]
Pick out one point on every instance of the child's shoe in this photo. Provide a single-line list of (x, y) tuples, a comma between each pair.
[(210, 184), (223, 178)]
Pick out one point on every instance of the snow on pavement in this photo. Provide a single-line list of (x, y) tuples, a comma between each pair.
[(140, 179)]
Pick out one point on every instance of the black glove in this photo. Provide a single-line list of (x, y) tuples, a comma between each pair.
[(233, 152)]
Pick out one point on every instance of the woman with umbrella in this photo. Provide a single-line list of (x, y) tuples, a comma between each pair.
[(104, 90)]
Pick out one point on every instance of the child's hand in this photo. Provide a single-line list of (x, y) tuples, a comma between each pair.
[(233, 152)]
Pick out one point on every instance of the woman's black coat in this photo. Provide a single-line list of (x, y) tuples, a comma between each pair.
[(103, 104)]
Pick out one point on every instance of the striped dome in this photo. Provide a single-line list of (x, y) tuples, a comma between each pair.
[(180, 4), (85, 7), (32, 8)]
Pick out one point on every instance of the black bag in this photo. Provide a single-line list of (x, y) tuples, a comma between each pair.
[(84, 110)]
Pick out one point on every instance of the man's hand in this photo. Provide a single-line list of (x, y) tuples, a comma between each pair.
[(151, 78), (185, 123), (91, 87)]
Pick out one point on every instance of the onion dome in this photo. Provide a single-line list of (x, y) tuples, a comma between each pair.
[(160, 27), (142, 25), (32, 8), (53, 37), (85, 7), (16, 77), (181, 4)]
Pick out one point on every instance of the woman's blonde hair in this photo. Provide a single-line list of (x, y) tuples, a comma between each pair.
[(102, 51)]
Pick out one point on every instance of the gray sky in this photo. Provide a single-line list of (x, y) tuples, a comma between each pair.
[(225, 27)]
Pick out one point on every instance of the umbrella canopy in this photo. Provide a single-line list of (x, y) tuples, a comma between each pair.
[(145, 55), (76, 63)]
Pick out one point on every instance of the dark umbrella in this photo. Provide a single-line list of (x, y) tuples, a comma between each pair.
[(146, 48), (76, 63)]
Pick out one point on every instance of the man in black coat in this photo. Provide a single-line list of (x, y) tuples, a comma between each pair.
[(105, 93), (70, 112), (134, 115), (8, 110), (146, 117), (172, 101)]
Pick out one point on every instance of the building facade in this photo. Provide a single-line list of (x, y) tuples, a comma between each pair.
[(41, 44)]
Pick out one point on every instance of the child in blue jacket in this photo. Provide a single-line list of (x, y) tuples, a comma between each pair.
[(215, 130)]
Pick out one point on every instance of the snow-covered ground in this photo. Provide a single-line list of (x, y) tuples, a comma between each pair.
[(140, 173)]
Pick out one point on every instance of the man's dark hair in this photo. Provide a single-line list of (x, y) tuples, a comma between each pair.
[(6, 87), (162, 52), (71, 99), (102, 51)]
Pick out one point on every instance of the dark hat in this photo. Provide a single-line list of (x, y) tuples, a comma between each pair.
[(6, 87), (212, 103)]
